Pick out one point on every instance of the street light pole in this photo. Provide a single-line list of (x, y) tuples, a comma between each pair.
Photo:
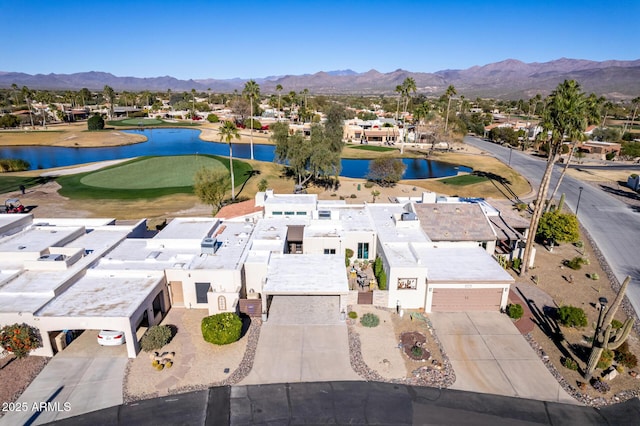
[(578, 203), (510, 152)]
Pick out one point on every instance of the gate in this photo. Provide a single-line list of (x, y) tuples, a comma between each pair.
[(365, 298)]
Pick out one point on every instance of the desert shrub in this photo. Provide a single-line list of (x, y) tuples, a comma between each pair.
[(517, 262), (620, 369), (348, 254), (576, 263), (417, 351), (521, 206), (370, 320), (155, 338), (601, 386), (96, 122), (571, 316), (579, 244), (353, 196), (221, 329), (570, 364), (19, 339), (368, 184), (353, 315), (615, 324), (160, 367), (624, 357), (515, 311), (594, 276), (13, 165), (605, 359), (212, 118)]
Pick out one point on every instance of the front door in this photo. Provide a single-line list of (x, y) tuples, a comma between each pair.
[(177, 297)]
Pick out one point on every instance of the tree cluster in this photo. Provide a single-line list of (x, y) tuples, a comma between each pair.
[(313, 158), (9, 120), (386, 171), (96, 122)]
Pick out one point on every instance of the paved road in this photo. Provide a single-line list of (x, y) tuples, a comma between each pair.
[(489, 355), (352, 403), (613, 225)]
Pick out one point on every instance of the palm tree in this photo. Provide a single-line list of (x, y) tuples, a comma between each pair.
[(634, 102), (563, 115), (109, 95), (279, 90), (449, 93), (399, 91), (26, 94), (193, 100), (252, 91), (227, 132), (408, 86)]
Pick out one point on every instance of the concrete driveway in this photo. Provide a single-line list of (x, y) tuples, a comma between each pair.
[(489, 355), (302, 341), (84, 377)]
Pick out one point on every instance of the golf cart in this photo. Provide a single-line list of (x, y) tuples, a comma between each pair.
[(12, 205)]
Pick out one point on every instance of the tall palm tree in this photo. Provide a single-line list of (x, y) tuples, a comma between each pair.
[(279, 90), (252, 92), (634, 102), (563, 115), (408, 87), (26, 94), (109, 95), (227, 132), (400, 92), (449, 94), (193, 100)]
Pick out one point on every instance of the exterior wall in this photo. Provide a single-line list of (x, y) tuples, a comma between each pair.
[(222, 281), (317, 245), (431, 286), (407, 298), (255, 274), (351, 240)]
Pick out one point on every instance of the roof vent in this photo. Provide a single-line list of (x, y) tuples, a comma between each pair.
[(51, 257), (409, 216)]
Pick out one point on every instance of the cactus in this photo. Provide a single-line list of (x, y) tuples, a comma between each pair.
[(606, 337), (560, 203)]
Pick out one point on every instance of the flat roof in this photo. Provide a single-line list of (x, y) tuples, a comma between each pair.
[(307, 274), (291, 199), (30, 303), (187, 229), (103, 294), (382, 217), (35, 282), (454, 222), (461, 264), (37, 239)]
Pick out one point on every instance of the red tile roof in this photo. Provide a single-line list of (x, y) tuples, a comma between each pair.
[(238, 210)]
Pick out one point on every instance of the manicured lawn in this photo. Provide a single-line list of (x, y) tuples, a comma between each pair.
[(149, 122), (373, 148), (147, 177), (463, 180)]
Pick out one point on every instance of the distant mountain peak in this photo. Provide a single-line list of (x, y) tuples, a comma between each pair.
[(342, 72)]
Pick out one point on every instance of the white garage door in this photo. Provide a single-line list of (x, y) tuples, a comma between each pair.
[(304, 310), (459, 300)]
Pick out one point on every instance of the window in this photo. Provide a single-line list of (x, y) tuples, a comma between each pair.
[(288, 213), (157, 304), (277, 213), (324, 214), (301, 213), (201, 292), (222, 303), (407, 283), (329, 251), (363, 250)]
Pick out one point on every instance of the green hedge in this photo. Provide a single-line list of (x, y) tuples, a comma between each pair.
[(570, 316), (515, 311), (222, 329)]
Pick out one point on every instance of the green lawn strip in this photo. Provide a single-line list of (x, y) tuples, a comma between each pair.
[(73, 186), (12, 183), (463, 180), (373, 148)]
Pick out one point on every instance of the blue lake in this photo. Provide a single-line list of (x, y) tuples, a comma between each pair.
[(186, 141)]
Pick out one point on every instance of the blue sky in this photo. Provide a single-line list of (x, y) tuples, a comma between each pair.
[(251, 39)]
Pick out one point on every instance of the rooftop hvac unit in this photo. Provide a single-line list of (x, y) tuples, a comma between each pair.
[(409, 216), (208, 246)]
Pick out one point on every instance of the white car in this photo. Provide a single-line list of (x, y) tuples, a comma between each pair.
[(111, 338)]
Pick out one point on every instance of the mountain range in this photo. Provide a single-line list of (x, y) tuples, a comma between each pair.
[(508, 79)]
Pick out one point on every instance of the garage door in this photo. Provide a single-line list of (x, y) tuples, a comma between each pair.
[(458, 300), (304, 310)]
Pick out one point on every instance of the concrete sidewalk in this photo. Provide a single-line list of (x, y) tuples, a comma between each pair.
[(489, 355)]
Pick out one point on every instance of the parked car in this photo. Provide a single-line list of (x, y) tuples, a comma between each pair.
[(111, 338)]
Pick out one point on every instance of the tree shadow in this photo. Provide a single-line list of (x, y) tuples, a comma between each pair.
[(546, 318), (620, 192), (249, 174), (502, 184)]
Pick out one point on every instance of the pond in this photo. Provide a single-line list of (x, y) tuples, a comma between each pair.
[(163, 142)]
